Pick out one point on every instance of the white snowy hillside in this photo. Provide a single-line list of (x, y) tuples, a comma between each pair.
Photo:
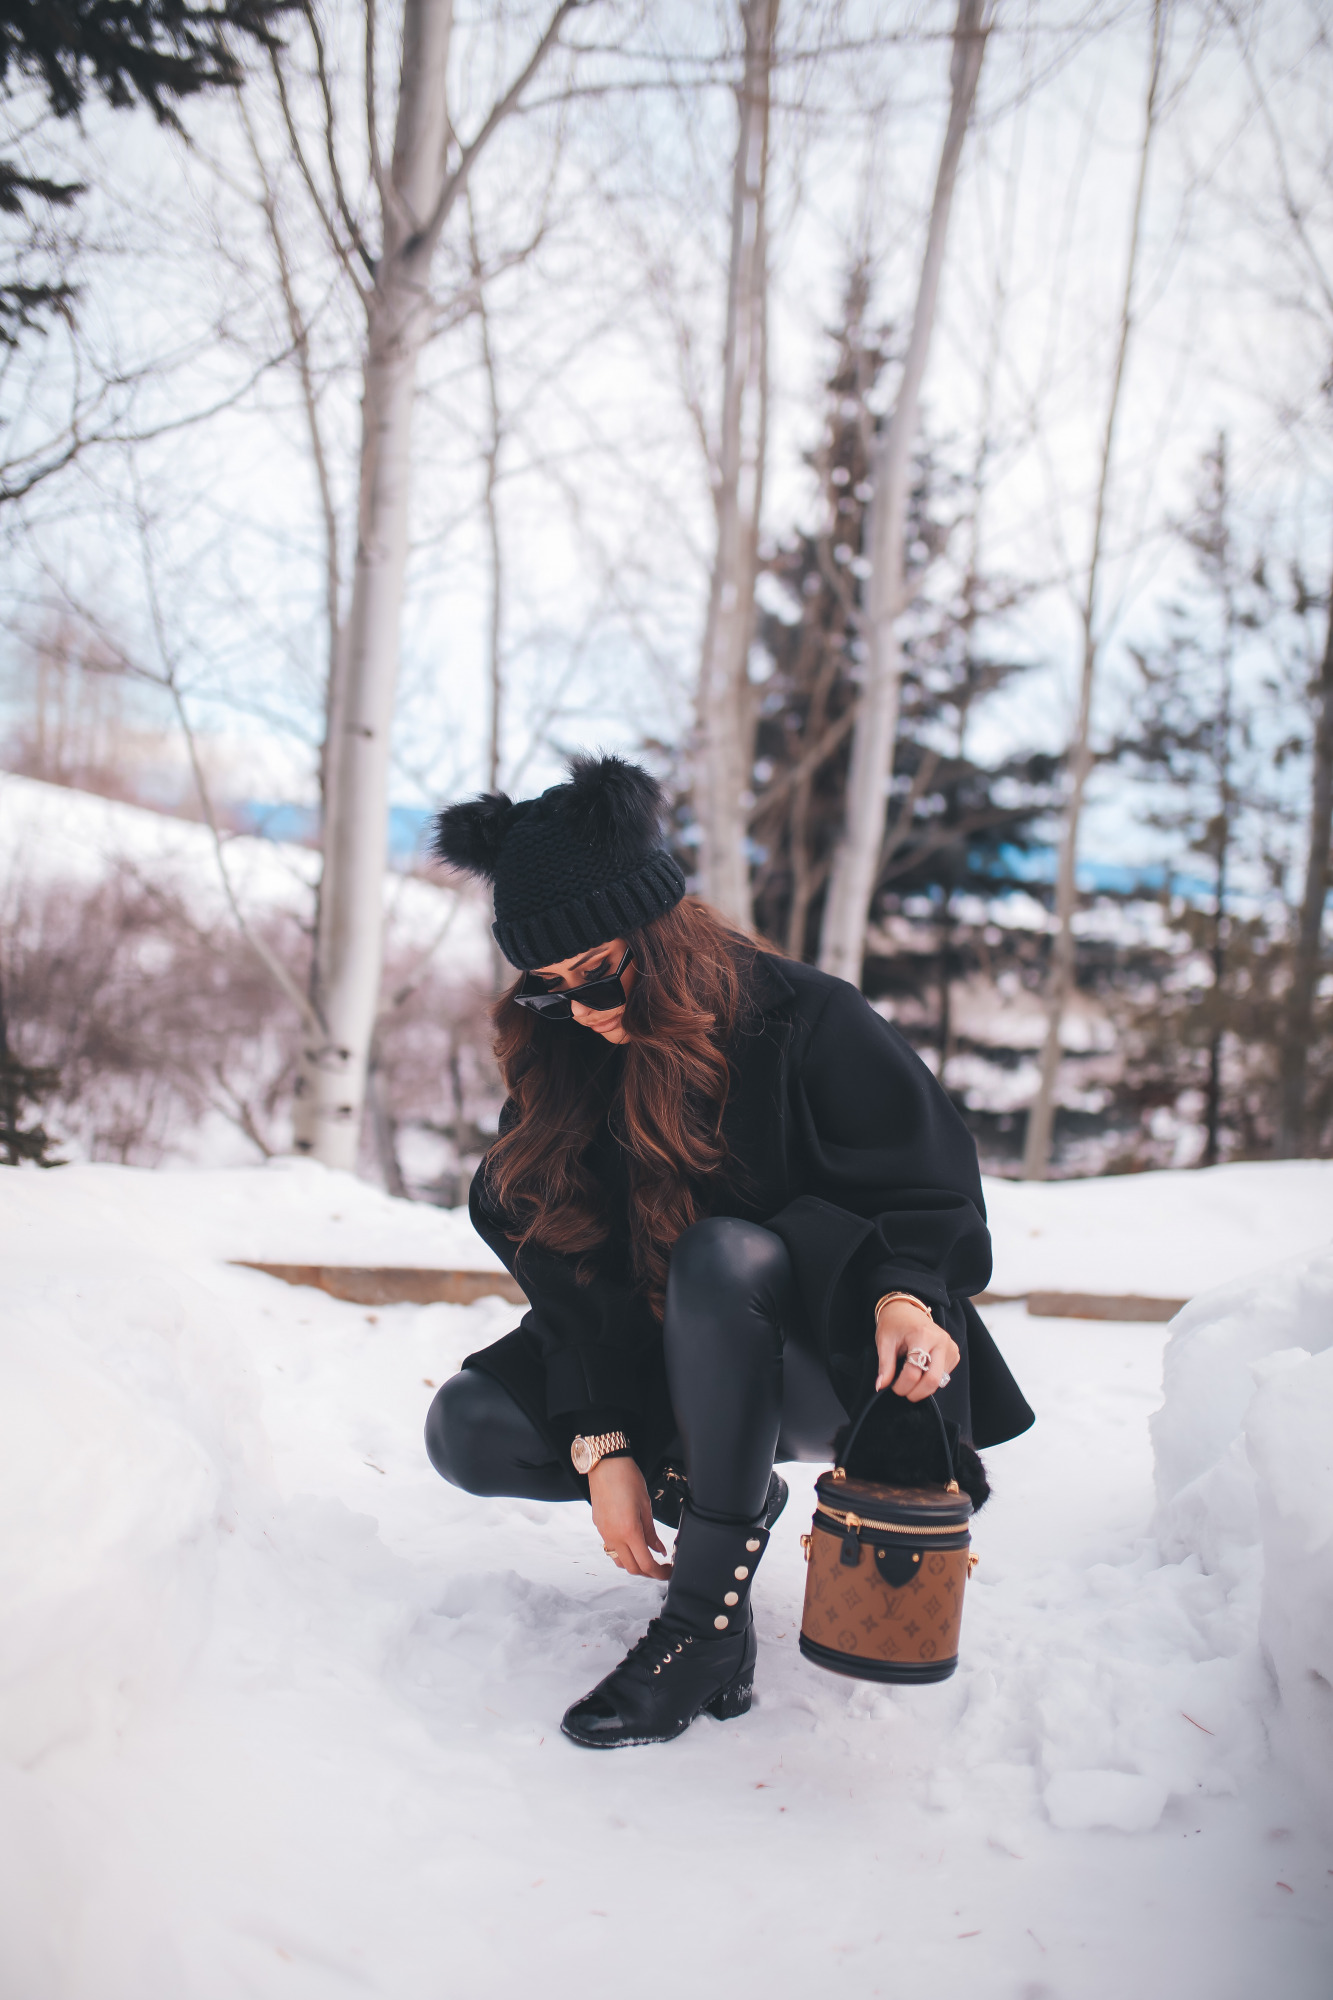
[(279, 1711), (51, 833)]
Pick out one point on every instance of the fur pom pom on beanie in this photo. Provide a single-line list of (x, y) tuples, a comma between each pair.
[(583, 863)]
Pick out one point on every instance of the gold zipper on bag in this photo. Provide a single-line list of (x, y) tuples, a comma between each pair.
[(886, 1527)]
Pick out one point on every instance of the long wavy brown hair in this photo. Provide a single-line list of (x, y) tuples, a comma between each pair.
[(662, 1096)]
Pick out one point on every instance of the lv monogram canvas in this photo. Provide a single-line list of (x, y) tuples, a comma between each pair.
[(885, 1579)]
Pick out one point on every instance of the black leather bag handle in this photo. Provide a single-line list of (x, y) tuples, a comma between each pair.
[(950, 1476)]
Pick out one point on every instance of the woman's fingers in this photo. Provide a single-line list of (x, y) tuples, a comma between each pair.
[(650, 1534), (648, 1540), (915, 1352), (916, 1382), (634, 1557), (927, 1358)]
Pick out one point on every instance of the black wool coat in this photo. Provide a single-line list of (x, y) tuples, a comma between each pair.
[(844, 1145)]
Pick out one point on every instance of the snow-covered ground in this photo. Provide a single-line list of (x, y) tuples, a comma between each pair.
[(1168, 1235), (279, 1710)]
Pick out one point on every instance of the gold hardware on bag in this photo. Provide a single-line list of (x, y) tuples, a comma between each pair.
[(972, 1562), (854, 1521), (839, 1474), (952, 1487), (805, 1547)]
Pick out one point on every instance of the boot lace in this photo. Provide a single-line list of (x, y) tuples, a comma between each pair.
[(656, 1652)]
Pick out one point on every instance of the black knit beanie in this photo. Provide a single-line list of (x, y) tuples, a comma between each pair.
[(583, 863)]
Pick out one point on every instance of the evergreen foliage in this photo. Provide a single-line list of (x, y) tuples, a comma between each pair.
[(806, 706), (22, 1087), (955, 821), (151, 52), (1200, 1015)]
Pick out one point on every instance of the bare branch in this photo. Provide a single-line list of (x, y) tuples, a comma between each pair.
[(806, 765), (1294, 212), (353, 227), (916, 791), (372, 111), (340, 249), (420, 966), (82, 441), (429, 236), (300, 349), (169, 680)]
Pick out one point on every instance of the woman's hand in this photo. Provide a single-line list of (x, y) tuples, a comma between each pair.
[(622, 1514), (902, 1328)]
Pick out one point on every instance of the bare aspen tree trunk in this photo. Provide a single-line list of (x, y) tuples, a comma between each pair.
[(331, 1086), (1299, 1010), (500, 967), (416, 195), (856, 862), (725, 717), (1060, 973)]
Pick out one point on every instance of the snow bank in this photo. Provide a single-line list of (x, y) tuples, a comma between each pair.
[(1289, 1437), (1244, 1468), (116, 1477)]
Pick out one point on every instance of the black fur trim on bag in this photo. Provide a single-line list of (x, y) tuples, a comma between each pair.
[(899, 1445)]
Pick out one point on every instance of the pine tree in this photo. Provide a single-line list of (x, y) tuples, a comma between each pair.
[(1208, 744), (807, 704), (22, 1086), (952, 818)]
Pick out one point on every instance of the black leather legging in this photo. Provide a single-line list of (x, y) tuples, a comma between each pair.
[(746, 1379)]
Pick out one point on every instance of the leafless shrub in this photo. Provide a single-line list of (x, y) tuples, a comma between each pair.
[(168, 1039)]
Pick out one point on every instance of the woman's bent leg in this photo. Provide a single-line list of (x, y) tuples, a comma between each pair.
[(741, 1366), (730, 1298), (478, 1438)]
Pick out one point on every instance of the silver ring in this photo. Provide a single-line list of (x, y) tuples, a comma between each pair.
[(945, 1379), (919, 1358)]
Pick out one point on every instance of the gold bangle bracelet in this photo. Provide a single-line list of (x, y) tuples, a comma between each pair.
[(911, 1299)]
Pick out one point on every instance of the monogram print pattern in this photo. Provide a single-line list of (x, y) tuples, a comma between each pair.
[(854, 1611)]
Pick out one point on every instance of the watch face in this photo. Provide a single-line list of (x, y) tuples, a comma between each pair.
[(581, 1453)]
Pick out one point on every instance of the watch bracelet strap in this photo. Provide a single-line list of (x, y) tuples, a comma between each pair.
[(608, 1444)]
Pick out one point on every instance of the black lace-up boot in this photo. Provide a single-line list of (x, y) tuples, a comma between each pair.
[(697, 1655)]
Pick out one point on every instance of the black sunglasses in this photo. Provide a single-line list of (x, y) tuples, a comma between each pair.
[(600, 996)]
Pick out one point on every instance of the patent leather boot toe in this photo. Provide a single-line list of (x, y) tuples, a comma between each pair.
[(661, 1685), (697, 1657)]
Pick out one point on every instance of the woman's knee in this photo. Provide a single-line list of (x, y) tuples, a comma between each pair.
[(722, 1263), (457, 1426)]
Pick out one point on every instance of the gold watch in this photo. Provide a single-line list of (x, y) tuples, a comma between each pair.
[(585, 1452)]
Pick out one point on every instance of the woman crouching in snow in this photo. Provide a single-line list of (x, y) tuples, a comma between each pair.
[(737, 1203)]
